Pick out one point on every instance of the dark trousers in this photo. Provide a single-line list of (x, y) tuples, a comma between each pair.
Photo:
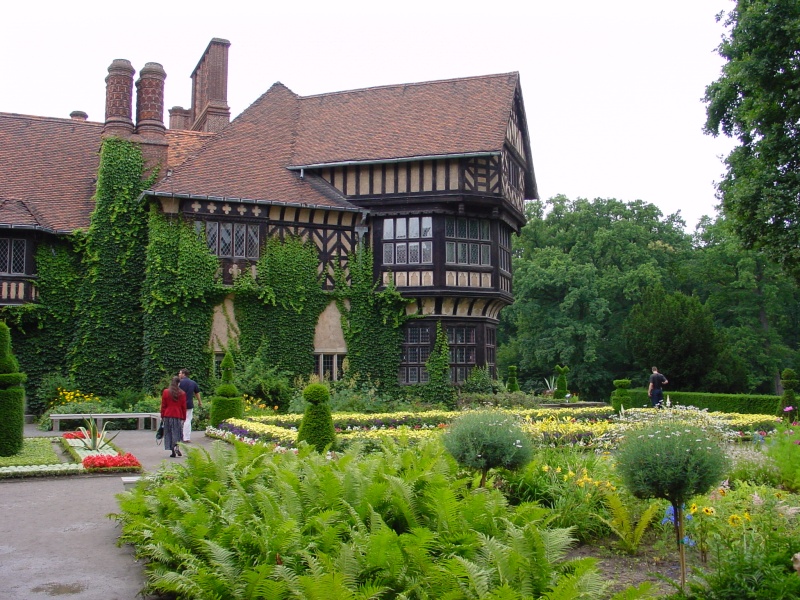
[(656, 396)]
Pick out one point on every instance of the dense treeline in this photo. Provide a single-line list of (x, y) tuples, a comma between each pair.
[(611, 288)]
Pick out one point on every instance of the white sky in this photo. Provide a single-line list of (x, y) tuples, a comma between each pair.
[(612, 88)]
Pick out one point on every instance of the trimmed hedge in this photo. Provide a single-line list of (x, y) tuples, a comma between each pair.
[(748, 404)]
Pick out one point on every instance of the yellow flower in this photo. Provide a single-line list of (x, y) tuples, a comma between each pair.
[(709, 510), (693, 509), (571, 474), (734, 520), (545, 468), (746, 516), (558, 469)]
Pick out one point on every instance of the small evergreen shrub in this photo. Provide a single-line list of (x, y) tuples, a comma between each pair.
[(621, 397), (561, 383), (12, 397), (317, 428), (484, 440), (227, 403), (512, 385)]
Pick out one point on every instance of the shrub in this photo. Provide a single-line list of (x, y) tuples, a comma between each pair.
[(561, 383), (479, 381), (316, 428), (621, 397), (438, 389), (78, 408), (227, 403), (512, 385), (12, 397), (784, 448), (47, 392), (673, 462), (486, 440)]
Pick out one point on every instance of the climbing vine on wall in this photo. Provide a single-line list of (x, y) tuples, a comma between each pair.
[(106, 352), (42, 331), (277, 313), (179, 293), (372, 322)]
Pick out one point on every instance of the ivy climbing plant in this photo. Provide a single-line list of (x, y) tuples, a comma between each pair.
[(178, 297), (106, 351), (277, 312), (42, 331), (372, 322)]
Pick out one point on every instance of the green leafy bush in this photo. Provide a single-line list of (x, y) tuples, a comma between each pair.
[(227, 403), (400, 523), (316, 428), (784, 449), (787, 407), (439, 389), (12, 397), (621, 397), (484, 440), (512, 385), (561, 383), (479, 381)]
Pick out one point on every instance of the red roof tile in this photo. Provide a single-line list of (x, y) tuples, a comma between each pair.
[(249, 159), (50, 165), (454, 116)]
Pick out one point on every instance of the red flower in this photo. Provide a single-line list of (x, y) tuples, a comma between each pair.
[(106, 461), (73, 435)]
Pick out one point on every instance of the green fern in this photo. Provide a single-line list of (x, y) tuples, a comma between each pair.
[(622, 525)]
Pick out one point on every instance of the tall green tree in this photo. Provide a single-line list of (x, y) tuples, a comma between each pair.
[(580, 266), (676, 332), (756, 307), (756, 100)]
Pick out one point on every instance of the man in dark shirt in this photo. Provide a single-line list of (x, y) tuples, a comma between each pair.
[(192, 391), (655, 390)]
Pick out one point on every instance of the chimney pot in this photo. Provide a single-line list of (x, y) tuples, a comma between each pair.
[(78, 115), (119, 98)]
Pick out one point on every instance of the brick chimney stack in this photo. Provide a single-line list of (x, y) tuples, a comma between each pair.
[(150, 101), (119, 97), (210, 111)]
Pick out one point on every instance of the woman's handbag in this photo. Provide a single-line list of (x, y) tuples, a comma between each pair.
[(160, 433)]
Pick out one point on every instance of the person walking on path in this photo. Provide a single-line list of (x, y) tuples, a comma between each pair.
[(192, 391), (173, 416), (655, 390)]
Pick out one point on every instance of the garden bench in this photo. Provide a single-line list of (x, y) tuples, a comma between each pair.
[(101, 418)]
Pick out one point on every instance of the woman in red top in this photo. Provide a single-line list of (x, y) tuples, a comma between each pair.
[(173, 414)]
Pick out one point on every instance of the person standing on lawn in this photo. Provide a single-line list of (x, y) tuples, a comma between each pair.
[(192, 391), (173, 415), (655, 390)]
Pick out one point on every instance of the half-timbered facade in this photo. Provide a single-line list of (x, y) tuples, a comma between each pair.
[(433, 176)]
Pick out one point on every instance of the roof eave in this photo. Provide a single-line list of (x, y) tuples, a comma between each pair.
[(379, 161)]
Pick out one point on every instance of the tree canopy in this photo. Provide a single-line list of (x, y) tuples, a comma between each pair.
[(757, 100)]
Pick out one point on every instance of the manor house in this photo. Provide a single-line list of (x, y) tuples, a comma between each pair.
[(432, 176)]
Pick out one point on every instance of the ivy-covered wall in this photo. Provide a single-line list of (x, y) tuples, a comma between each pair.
[(277, 313), (106, 352), (372, 322), (43, 331), (178, 297)]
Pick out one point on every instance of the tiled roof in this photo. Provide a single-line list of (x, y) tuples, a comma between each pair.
[(249, 159), (49, 165), (454, 116)]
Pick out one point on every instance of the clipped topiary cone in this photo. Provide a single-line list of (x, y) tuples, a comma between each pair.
[(227, 402), (12, 397)]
